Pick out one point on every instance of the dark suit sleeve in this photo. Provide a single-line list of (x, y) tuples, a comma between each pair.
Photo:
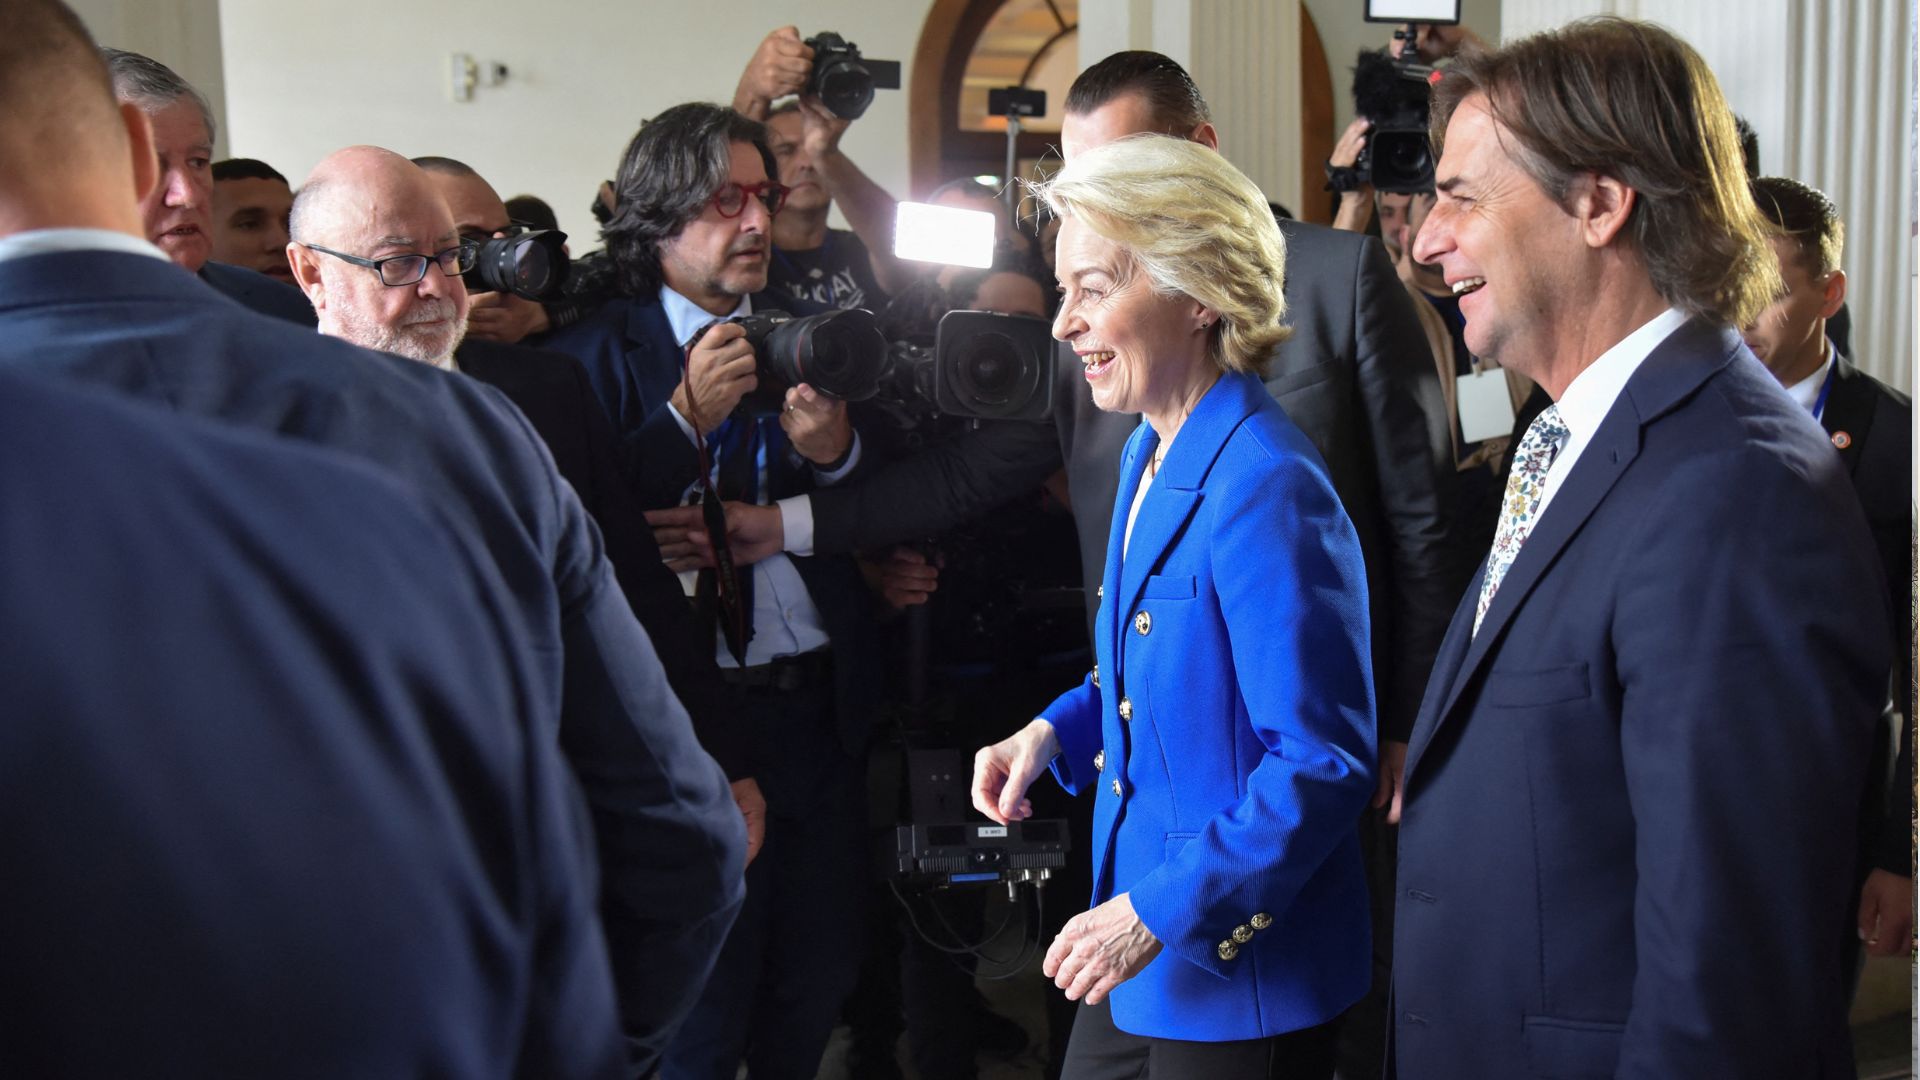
[(926, 494), (653, 591), (1747, 705), (670, 840), (1412, 456), (660, 459)]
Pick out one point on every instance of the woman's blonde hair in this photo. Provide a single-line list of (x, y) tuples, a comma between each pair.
[(1197, 227)]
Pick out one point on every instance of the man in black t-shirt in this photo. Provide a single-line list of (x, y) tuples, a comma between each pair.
[(838, 267)]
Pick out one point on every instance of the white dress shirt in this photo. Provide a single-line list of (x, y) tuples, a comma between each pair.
[(54, 241), (1806, 392), (1592, 393)]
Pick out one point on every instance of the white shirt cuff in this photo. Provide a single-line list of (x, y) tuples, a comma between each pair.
[(828, 479), (685, 428), (796, 524)]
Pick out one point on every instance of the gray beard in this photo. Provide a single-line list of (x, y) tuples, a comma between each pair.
[(434, 348)]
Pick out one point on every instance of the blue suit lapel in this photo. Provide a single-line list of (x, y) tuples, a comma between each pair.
[(1670, 374), (1175, 493), (651, 356)]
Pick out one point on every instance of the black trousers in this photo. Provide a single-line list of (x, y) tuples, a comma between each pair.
[(792, 955), (1100, 1051)]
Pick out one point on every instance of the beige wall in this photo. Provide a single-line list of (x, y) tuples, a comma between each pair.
[(305, 79), (183, 34)]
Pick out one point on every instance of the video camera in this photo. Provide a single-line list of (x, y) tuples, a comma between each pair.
[(982, 365), (843, 80), (1394, 94), (531, 264)]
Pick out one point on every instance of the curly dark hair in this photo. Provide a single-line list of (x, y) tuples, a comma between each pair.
[(671, 168)]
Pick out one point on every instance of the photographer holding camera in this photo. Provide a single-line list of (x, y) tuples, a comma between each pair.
[(835, 267), (690, 242)]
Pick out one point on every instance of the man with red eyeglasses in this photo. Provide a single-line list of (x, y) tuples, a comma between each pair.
[(690, 243)]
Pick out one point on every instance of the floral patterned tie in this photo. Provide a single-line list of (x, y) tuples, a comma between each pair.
[(1526, 484)]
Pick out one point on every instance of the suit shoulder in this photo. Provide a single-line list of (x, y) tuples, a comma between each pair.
[(1267, 442), (1322, 241), (490, 359), (604, 323)]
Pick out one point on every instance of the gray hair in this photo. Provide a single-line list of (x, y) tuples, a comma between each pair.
[(152, 85)]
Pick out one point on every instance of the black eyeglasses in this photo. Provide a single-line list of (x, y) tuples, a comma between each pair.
[(407, 269), (731, 199)]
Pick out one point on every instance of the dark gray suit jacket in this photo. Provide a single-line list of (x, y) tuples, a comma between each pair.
[(669, 839), (1356, 377)]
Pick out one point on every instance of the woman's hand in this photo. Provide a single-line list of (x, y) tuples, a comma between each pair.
[(1100, 949), (1003, 772)]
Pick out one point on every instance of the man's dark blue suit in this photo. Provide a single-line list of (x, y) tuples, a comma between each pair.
[(1631, 797), (266, 804), (669, 838), (795, 953)]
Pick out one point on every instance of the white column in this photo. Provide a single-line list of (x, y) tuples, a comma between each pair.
[(1828, 85), (1245, 57), (182, 34), (1848, 131)]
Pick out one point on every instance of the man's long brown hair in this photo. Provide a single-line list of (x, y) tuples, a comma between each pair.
[(1631, 101)]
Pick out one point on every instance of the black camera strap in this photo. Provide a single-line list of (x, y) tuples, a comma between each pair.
[(722, 594)]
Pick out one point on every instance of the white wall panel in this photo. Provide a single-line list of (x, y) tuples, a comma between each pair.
[(306, 79), (1848, 132)]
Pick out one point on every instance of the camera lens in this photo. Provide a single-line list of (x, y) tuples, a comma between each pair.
[(840, 353), (993, 372), (532, 265), (845, 87), (1402, 161)]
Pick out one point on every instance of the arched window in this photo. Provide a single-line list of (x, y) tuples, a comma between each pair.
[(969, 47)]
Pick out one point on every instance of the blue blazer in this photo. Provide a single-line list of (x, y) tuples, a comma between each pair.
[(267, 807), (669, 839), (1228, 728), (1630, 805)]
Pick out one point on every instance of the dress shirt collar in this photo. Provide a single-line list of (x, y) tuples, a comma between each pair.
[(1590, 396), (54, 241), (1807, 391), (686, 318)]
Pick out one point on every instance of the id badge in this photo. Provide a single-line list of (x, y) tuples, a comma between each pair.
[(1486, 409)]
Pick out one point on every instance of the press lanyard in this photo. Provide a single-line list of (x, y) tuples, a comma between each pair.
[(1826, 387)]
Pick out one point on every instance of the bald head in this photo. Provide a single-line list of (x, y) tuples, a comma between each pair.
[(69, 157), (372, 204)]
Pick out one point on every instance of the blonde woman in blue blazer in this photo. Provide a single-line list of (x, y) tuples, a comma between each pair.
[(1227, 729)]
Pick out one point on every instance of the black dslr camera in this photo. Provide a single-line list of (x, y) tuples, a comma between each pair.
[(529, 264), (1394, 95), (840, 353), (843, 80)]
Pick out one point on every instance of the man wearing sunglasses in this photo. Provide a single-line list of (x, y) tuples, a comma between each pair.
[(690, 242)]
